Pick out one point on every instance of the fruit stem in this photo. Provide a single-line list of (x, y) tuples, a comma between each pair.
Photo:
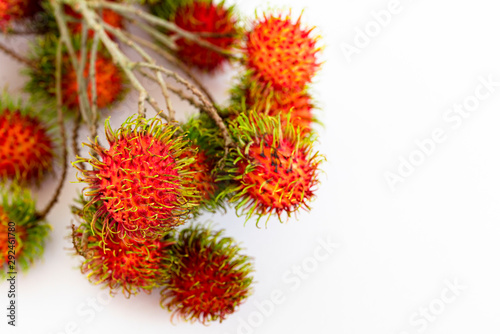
[(18, 57)]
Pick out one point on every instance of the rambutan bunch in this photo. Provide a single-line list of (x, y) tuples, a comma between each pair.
[(201, 16), (274, 168), (19, 221), (131, 265), (208, 277), (143, 179), (281, 53), (27, 147), (110, 81)]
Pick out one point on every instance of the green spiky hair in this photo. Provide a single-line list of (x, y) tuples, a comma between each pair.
[(28, 145), (133, 266), (209, 277), (274, 169), (143, 179), (18, 207)]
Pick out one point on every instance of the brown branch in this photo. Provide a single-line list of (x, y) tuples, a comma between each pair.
[(74, 138), (18, 57), (60, 123)]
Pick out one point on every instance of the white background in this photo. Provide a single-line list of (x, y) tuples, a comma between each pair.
[(396, 248)]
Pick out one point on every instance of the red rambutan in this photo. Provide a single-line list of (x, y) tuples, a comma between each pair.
[(132, 265), (281, 53), (26, 148), (274, 168), (202, 172), (205, 16), (145, 184), (208, 277), (22, 234)]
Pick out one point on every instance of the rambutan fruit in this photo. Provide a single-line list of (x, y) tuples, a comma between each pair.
[(208, 277), (275, 169), (27, 148), (280, 52), (132, 265), (22, 234), (110, 81), (201, 16), (143, 180)]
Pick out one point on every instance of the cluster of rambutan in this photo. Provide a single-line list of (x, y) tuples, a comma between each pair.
[(150, 180), (27, 152)]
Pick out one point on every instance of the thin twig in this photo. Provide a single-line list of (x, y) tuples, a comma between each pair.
[(93, 84), (173, 59), (65, 36), (131, 12), (8, 51), (60, 122), (74, 138), (95, 23)]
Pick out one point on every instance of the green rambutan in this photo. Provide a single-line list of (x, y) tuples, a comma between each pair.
[(278, 51), (132, 265), (201, 16), (110, 81), (274, 169), (19, 222), (143, 180), (208, 277), (26, 145)]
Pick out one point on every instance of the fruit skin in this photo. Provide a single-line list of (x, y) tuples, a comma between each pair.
[(27, 147), (17, 206), (145, 184), (110, 81), (281, 53), (274, 170), (209, 278), (201, 16), (132, 266)]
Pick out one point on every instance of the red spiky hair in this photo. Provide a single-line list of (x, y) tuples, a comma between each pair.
[(275, 169), (205, 16), (280, 52), (109, 82), (26, 148), (208, 277), (144, 183), (132, 265)]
